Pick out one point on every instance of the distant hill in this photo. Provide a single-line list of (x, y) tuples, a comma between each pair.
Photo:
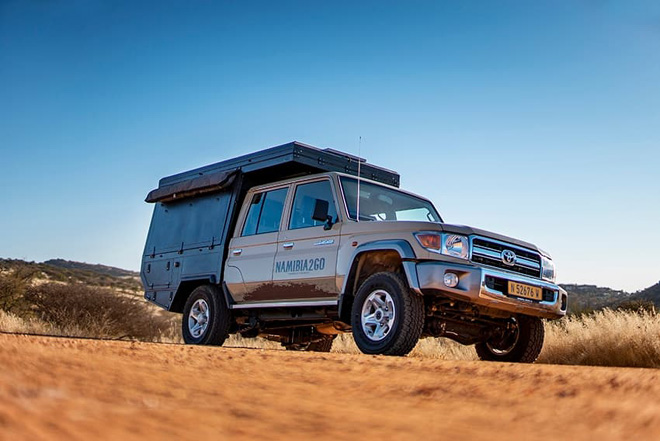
[(60, 270), (95, 268), (584, 298), (651, 294)]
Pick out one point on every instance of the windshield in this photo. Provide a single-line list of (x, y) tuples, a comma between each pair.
[(378, 203)]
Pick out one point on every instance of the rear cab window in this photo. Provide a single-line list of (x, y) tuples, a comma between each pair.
[(265, 212)]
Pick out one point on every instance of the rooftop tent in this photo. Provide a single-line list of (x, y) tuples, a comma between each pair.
[(270, 165)]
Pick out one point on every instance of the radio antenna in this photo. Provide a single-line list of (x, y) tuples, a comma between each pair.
[(358, 180)]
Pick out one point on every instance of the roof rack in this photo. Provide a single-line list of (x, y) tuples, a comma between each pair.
[(290, 160)]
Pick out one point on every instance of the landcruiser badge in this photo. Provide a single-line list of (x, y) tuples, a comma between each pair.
[(509, 257)]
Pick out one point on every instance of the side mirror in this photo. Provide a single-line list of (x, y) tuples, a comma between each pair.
[(320, 214)]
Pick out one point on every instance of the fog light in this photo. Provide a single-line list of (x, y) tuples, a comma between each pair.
[(451, 280)]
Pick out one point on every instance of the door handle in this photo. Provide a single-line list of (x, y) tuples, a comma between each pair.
[(237, 251), (287, 245)]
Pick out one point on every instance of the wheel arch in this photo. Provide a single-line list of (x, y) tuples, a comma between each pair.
[(371, 257), (186, 287)]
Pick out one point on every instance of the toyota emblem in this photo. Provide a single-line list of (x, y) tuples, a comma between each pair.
[(509, 257)]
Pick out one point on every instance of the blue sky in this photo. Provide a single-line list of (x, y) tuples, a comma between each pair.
[(540, 120)]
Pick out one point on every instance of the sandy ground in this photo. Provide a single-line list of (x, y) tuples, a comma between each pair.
[(53, 388)]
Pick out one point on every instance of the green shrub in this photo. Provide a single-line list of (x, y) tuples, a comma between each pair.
[(13, 285)]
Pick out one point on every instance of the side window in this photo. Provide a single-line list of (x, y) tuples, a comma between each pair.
[(271, 214), (265, 212), (252, 220), (304, 201)]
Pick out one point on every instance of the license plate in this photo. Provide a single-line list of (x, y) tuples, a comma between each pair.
[(525, 291)]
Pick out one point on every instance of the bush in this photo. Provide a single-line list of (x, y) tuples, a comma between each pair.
[(639, 306), (80, 310), (13, 285)]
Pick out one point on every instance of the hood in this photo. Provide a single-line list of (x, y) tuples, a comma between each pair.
[(412, 226)]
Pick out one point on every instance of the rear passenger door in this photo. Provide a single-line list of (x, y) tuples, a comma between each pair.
[(249, 267), (306, 257)]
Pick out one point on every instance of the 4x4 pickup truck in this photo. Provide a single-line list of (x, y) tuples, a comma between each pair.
[(298, 244)]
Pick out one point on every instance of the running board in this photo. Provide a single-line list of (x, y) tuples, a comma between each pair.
[(284, 304)]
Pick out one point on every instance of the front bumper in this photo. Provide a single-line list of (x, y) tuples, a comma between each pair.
[(486, 287)]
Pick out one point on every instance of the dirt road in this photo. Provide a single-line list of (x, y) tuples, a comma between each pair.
[(53, 389)]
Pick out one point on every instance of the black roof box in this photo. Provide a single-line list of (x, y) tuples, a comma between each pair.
[(274, 164)]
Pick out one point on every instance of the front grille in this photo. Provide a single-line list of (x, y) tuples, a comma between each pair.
[(489, 252)]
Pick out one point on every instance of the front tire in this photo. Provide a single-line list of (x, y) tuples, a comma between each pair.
[(522, 345), (387, 317), (206, 319)]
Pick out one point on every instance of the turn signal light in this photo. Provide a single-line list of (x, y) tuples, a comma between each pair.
[(430, 241)]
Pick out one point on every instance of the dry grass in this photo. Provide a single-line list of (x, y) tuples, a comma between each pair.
[(80, 310), (13, 323), (603, 338), (236, 341), (437, 348)]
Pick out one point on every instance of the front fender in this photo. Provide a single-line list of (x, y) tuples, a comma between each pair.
[(408, 258), (402, 247)]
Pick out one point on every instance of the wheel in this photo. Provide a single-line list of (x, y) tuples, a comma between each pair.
[(387, 317), (206, 318), (322, 345), (521, 344)]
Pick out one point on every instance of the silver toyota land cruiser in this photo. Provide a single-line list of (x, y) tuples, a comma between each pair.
[(337, 247)]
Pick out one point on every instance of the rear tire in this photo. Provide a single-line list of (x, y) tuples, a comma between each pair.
[(206, 319), (524, 346), (387, 317)]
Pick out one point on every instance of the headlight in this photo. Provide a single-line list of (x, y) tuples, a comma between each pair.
[(547, 269), (448, 244)]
